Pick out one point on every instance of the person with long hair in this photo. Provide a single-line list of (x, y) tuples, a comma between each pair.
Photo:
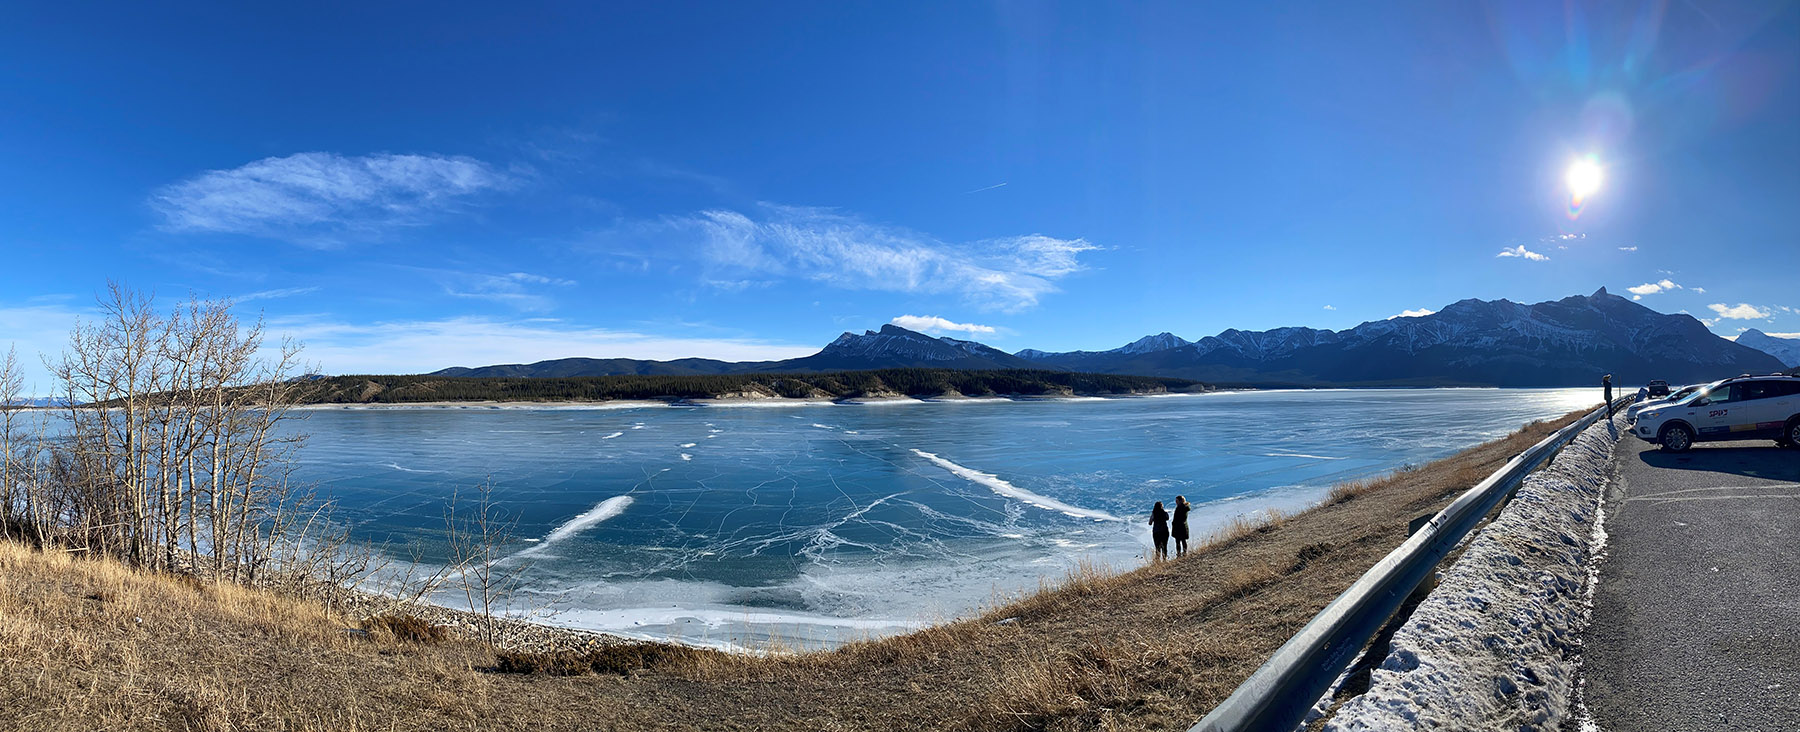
[(1180, 529), (1159, 530)]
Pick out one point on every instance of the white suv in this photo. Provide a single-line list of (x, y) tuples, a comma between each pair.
[(1634, 410), (1741, 408)]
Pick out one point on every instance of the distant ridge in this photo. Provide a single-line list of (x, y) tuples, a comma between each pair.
[(1567, 342), (920, 383), (889, 348), (1785, 349)]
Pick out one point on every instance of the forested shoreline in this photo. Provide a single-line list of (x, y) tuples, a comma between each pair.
[(882, 383)]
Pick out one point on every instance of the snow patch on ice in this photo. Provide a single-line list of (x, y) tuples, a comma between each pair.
[(995, 484), (604, 510)]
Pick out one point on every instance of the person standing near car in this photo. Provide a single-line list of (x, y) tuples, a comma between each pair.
[(1606, 384)]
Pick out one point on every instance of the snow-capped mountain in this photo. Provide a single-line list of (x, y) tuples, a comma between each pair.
[(893, 347), (1571, 341), (1150, 344), (1785, 349)]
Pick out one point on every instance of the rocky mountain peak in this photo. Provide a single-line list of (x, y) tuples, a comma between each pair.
[(1150, 344)]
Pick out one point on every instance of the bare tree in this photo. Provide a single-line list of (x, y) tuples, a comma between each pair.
[(12, 472), (174, 446), (476, 540)]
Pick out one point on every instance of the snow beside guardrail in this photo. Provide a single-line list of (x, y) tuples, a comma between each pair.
[(1494, 646)]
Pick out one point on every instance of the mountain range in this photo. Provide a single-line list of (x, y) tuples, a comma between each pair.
[(1567, 342), (1786, 349), (891, 347)]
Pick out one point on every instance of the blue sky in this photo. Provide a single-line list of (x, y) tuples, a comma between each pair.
[(411, 186)]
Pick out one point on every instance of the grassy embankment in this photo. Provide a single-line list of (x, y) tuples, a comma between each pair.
[(94, 645), (837, 385)]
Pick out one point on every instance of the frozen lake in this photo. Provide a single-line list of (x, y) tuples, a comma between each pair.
[(819, 524)]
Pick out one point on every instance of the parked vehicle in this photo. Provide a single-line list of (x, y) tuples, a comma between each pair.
[(1658, 388), (1739, 408), (1632, 412)]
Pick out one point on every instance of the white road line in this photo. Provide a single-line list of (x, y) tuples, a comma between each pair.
[(1724, 498), (1765, 486)]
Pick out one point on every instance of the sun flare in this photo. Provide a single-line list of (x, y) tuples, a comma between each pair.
[(1584, 178)]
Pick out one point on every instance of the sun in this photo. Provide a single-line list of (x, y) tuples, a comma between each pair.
[(1584, 178)]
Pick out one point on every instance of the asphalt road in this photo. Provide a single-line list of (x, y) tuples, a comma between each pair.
[(1697, 615)]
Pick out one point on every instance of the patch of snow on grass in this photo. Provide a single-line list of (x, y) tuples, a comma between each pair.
[(1494, 646)]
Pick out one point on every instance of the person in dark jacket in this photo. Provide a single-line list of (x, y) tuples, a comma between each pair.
[(1159, 530), (1606, 384), (1180, 530)]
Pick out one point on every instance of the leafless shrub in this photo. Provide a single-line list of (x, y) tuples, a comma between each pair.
[(409, 628), (170, 449), (476, 538), (613, 658)]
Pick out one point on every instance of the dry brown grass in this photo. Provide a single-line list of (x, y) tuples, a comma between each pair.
[(1148, 649), (409, 628)]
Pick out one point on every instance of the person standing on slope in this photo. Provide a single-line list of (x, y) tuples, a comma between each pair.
[(1159, 530), (1180, 529), (1606, 384)]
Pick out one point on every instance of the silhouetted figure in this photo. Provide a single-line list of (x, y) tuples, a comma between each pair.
[(1159, 530), (1179, 530), (1606, 383)]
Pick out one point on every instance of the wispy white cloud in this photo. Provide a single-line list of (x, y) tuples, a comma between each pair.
[(1628, 249), (1740, 311), (321, 198), (1652, 288), (1521, 251), (1329, 307), (274, 294), (935, 324), (1700, 290), (1783, 335), (521, 290), (399, 347), (840, 250), (1420, 313)]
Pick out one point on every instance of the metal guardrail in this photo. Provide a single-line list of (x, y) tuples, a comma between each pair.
[(1281, 693)]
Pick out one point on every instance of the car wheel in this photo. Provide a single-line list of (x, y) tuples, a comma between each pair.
[(1677, 438), (1792, 433)]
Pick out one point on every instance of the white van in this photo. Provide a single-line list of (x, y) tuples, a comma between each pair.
[(1741, 408)]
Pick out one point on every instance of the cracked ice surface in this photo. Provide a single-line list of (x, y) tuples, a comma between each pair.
[(1493, 646), (819, 524)]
